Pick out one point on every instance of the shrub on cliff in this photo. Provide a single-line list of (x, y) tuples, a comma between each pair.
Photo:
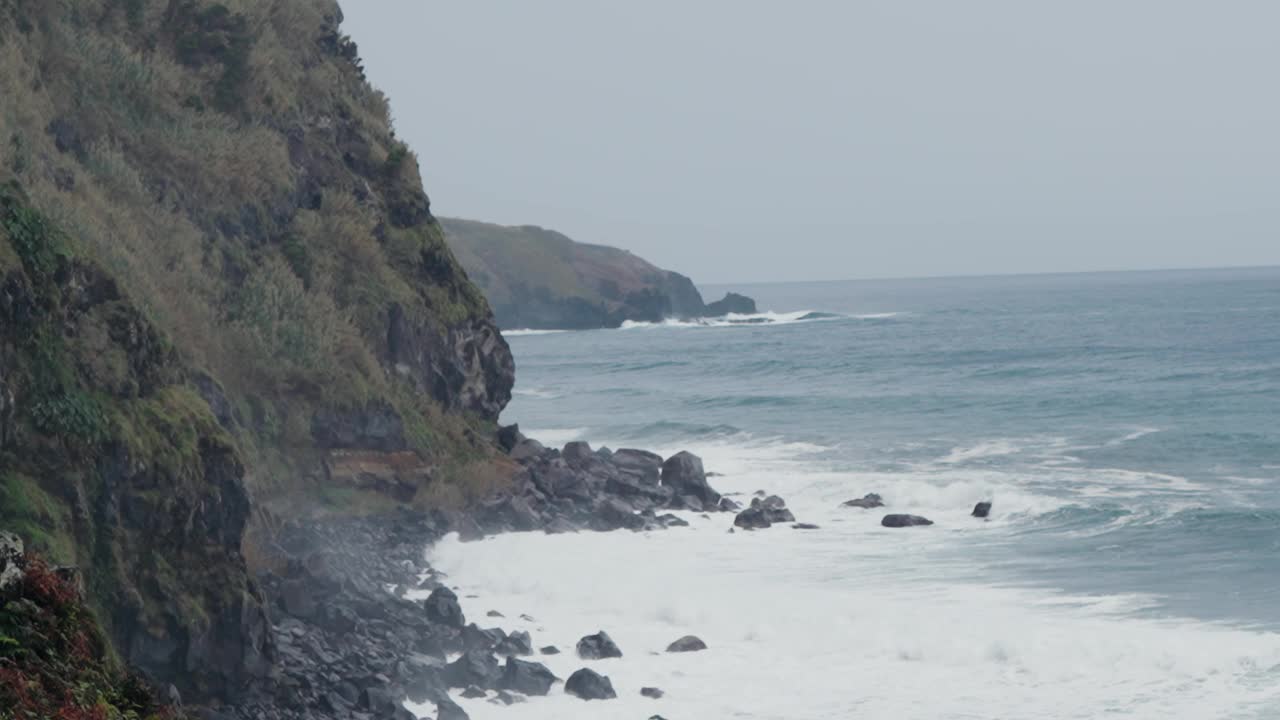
[(54, 662)]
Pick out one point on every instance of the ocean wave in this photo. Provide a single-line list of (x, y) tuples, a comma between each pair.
[(535, 393), (735, 320), (527, 332)]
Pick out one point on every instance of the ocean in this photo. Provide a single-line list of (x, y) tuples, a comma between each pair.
[(1126, 427)]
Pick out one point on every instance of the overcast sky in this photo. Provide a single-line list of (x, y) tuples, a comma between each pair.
[(739, 140)]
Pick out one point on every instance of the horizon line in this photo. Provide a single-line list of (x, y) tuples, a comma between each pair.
[(978, 276)]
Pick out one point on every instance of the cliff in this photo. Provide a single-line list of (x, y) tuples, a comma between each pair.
[(225, 305), (537, 278)]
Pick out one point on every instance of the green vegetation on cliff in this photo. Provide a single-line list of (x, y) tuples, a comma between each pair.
[(224, 302)]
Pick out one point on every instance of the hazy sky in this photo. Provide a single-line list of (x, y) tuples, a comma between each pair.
[(739, 140)]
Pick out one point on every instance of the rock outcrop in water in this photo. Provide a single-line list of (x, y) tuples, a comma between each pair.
[(981, 510), (867, 502), (763, 513), (587, 684)]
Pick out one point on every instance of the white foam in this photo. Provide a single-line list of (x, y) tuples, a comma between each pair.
[(850, 621), (556, 437), (735, 320), (526, 332), (535, 393)]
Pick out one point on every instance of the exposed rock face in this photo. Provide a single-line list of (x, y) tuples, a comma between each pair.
[(465, 367), (901, 521), (11, 556), (598, 647), (589, 685)]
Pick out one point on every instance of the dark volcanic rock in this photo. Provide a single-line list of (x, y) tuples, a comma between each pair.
[(473, 692), (476, 638), (578, 452), (640, 465), (509, 437), (529, 678), (982, 510), (589, 685), (549, 650), (683, 473), (443, 608), (517, 643), (728, 505), (447, 709), (752, 519), (651, 692), (900, 521), (598, 647), (688, 643), (615, 514), (805, 526), (764, 513), (475, 667), (868, 501)]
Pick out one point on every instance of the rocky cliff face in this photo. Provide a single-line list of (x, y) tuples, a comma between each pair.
[(224, 303), (538, 278)]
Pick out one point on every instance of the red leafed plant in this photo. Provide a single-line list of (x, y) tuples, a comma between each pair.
[(53, 665)]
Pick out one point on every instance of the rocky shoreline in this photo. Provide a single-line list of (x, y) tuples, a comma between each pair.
[(346, 639), (349, 643)]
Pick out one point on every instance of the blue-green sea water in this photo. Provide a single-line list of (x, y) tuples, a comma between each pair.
[(1126, 427)]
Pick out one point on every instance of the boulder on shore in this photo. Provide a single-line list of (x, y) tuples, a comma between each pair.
[(900, 521), (443, 608), (982, 510), (763, 513), (868, 501), (589, 685), (684, 474), (598, 647), (688, 643), (528, 678)]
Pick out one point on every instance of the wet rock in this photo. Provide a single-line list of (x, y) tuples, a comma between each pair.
[(472, 692), (900, 521), (447, 709), (868, 501), (688, 643), (639, 465), (669, 520), (982, 510), (763, 513), (528, 678), (560, 526), (380, 701), (477, 638), (297, 599), (494, 614), (728, 505), (683, 473), (475, 667), (589, 685), (443, 608), (527, 449), (752, 519), (612, 513), (652, 692), (805, 526), (550, 650), (598, 647), (517, 643), (577, 452)]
